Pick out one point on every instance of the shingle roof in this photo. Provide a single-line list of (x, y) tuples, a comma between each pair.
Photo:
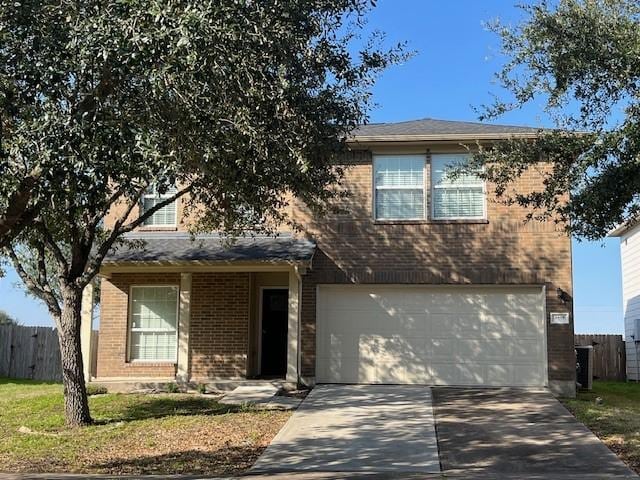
[(432, 127), (180, 247)]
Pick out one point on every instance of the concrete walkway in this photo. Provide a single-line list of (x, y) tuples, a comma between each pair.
[(357, 428)]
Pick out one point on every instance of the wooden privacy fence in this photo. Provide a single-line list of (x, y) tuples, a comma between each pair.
[(609, 355), (29, 352)]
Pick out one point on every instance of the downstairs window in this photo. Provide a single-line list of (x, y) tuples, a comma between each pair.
[(153, 323)]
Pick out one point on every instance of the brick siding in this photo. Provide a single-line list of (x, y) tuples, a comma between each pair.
[(218, 332), (354, 248), (114, 322)]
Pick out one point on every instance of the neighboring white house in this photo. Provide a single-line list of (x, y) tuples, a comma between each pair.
[(630, 258)]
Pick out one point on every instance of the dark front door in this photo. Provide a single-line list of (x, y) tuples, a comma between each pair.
[(274, 332)]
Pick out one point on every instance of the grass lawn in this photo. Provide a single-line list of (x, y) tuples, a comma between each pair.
[(134, 433), (617, 421)]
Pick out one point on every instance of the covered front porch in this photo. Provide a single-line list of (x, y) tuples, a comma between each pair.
[(205, 311)]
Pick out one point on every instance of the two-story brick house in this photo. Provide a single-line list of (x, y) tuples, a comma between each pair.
[(425, 278)]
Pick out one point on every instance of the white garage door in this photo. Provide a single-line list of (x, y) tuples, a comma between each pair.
[(431, 335)]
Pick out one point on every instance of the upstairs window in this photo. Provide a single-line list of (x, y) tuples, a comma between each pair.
[(399, 187), (458, 196), (165, 216), (153, 322)]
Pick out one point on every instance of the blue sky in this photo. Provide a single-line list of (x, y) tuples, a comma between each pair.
[(451, 73)]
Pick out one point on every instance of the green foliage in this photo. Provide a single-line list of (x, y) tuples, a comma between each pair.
[(240, 105), (171, 387), (95, 389), (202, 388), (6, 319), (582, 59)]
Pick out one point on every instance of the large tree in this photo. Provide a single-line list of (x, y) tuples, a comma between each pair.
[(231, 107), (581, 59)]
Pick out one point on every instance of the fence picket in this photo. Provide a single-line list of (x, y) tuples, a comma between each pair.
[(609, 355), (29, 352)]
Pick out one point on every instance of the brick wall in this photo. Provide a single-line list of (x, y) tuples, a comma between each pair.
[(114, 311), (219, 332), (353, 248)]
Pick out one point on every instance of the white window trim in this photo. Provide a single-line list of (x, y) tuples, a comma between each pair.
[(130, 319), (401, 187), (434, 187), (155, 195)]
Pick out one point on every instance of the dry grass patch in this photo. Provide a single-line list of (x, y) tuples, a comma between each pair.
[(134, 434)]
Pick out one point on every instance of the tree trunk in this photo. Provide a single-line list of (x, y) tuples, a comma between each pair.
[(76, 405)]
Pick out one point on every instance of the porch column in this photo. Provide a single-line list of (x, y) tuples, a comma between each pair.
[(292, 335), (182, 373), (86, 329)]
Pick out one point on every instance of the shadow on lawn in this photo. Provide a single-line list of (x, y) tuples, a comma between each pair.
[(168, 406), (224, 461)]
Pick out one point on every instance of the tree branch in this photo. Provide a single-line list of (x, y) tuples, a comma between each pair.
[(42, 291), (19, 214), (55, 249), (141, 218), (120, 229), (95, 220)]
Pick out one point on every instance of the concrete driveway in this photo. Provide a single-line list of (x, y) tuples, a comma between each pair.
[(512, 433), (388, 431), (357, 428)]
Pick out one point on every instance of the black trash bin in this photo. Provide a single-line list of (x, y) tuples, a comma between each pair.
[(584, 366)]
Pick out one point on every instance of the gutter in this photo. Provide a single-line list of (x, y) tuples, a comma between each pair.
[(623, 228)]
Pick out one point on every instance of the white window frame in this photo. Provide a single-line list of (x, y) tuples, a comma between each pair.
[(433, 189), (376, 157), (155, 195), (130, 323)]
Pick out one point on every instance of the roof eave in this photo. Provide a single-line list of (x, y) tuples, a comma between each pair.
[(439, 137), (622, 229), (189, 266)]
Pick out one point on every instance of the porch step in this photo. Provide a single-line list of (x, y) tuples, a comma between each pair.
[(250, 395), (128, 385), (261, 396), (229, 385)]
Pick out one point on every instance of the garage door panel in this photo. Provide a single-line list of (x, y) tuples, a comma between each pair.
[(527, 374), (440, 348), (441, 335), (343, 345), (342, 369), (453, 324), (390, 372), (443, 373), (526, 350), (400, 347), (482, 349), (504, 325), (498, 374), (374, 322)]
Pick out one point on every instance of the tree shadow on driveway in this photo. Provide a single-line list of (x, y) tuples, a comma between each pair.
[(514, 431)]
